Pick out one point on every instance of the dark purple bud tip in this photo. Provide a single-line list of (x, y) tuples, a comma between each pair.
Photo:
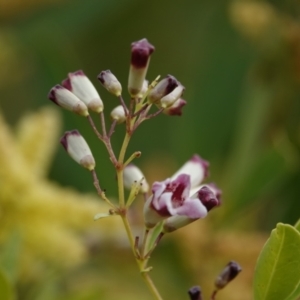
[(102, 75), (140, 53), (208, 198), (172, 84), (52, 93), (176, 110), (195, 293), (229, 273), (64, 138), (217, 191), (66, 83), (78, 73)]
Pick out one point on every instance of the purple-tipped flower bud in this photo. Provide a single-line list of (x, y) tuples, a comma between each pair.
[(133, 174), (176, 108), (172, 97), (195, 293), (64, 98), (140, 57), (163, 88), (228, 274), (82, 87), (110, 82), (78, 149), (118, 114)]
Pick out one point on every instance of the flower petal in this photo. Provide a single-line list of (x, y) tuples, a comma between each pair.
[(196, 167)]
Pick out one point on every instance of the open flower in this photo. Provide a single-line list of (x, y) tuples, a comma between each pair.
[(172, 200)]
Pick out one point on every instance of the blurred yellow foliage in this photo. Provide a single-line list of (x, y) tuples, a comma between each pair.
[(49, 219)]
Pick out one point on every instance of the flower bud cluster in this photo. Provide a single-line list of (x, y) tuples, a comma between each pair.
[(77, 94)]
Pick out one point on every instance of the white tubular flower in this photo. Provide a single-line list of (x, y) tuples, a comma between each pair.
[(79, 84), (163, 88), (64, 98), (140, 57), (110, 82), (118, 114), (172, 97), (78, 149), (133, 174)]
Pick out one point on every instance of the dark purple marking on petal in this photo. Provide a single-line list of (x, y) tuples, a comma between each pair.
[(177, 110), (172, 84), (177, 187), (140, 53), (64, 138), (216, 190), (66, 83), (101, 76), (208, 198), (164, 212), (52, 94)]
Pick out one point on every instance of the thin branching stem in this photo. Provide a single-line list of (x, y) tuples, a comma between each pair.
[(98, 134), (124, 105), (213, 295), (100, 192), (103, 125)]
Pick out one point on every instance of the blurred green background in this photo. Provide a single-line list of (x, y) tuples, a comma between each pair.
[(240, 64)]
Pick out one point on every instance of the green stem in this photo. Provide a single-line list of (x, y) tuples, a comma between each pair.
[(140, 263), (120, 170)]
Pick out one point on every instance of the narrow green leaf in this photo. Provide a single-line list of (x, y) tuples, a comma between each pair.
[(277, 273), (153, 236), (6, 290), (297, 225)]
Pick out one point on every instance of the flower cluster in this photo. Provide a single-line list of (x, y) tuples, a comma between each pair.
[(174, 202)]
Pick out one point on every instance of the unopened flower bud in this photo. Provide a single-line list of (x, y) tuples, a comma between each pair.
[(118, 114), (228, 274), (176, 108), (110, 82), (170, 99), (144, 88), (140, 57), (64, 98), (163, 88), (133, 174), (79, 84), (78, 149), (195, 293)]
